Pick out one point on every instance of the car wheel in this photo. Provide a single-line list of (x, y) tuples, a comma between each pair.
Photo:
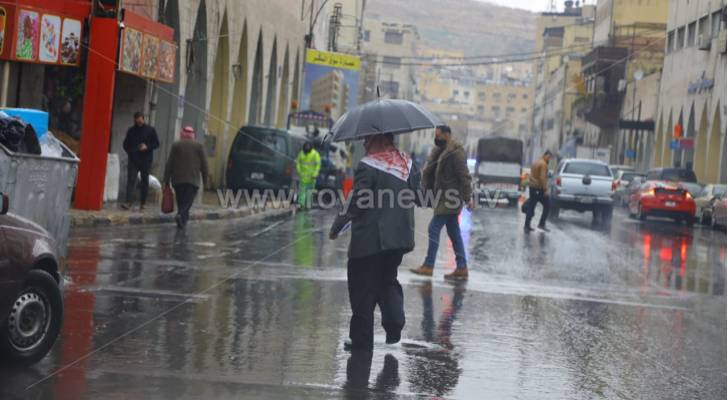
[(555, 211), (704, 218), (34, 321), (689, 220)]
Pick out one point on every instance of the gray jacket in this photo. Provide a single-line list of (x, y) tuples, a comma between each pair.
[(386, 226)]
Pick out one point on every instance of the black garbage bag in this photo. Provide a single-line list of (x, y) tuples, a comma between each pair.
[(30, 141), (18, 136)]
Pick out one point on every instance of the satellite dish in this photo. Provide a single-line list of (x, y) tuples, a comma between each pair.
[(638, 75)]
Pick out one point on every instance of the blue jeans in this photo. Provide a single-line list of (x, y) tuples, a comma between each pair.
[(453, 231)]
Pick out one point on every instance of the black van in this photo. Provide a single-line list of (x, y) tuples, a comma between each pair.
[(262, 158)]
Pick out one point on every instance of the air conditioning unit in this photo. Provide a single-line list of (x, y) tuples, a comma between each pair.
[(704, 42), (721, 42)]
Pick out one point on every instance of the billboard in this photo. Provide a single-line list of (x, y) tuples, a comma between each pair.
[(331, 82)]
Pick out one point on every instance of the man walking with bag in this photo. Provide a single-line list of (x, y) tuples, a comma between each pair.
[(538, 182), (446, 173), (187, 162)]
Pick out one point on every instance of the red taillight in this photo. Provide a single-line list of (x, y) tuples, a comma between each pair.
[(289, 170), (230, 164), (688, 195), (614, 185), (558, 181), (650, 192)]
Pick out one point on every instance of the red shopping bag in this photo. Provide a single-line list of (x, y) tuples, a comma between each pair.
[(167, 200)]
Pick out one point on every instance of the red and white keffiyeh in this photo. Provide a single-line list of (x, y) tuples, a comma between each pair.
[(393, 162)]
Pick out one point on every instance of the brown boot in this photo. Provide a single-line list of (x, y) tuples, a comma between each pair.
[(422, 270), (458, 274)]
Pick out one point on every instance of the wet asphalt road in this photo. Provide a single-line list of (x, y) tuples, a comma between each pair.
[(258, 308)]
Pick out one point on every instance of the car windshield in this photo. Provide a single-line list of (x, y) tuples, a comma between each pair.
[(679, 175), (587, 168), (719, 191), (266, 143)]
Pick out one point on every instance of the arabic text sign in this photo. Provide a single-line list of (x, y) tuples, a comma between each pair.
[(335, 60)]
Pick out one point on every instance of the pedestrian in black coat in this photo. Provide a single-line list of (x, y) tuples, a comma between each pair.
[(139, 144), (381, 212)]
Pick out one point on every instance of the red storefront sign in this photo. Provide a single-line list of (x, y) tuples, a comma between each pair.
[(147, 48), (42, 31)]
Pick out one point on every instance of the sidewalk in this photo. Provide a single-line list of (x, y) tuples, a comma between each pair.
[(207, 209)]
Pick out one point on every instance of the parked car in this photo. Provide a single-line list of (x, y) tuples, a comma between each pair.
[(663, 199), (31, 304), (718, 214), (262, 158), (704, 202), (583, 185), (622, 180), (684, 177)]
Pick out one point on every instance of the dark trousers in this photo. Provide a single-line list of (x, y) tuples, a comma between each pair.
[(185, 195), (373, 280), (131, 177), (536, 196)]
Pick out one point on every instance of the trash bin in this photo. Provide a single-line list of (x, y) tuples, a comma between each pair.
[(40, 189)]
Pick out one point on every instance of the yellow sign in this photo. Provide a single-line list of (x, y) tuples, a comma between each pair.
[(335, 60)]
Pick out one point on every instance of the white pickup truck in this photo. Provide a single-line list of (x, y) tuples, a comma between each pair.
[(583, 185)]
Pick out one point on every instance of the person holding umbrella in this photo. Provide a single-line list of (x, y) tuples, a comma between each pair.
[(382, 220)]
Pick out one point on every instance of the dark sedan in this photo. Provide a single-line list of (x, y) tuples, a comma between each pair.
[(31, 305)]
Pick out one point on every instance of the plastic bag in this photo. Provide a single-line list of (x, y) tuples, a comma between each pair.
[(50, 146)]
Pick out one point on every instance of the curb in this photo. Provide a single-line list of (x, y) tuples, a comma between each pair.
[(100, 220)]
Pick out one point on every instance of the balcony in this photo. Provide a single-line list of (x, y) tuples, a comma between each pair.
[(604, 68)]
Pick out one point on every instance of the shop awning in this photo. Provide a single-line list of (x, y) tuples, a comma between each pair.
[(147, 49)]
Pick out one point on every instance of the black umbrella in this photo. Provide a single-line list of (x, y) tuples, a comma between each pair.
[(383, 116)]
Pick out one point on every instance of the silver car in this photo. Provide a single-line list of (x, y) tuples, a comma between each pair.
[(704, 202), (718, 217)]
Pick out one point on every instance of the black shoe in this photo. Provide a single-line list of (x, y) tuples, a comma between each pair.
[(527, 229), (394, 337), (348, 345), (178, 220), (544, 228)]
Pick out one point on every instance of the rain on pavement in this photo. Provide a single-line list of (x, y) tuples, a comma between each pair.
[(258, 308)]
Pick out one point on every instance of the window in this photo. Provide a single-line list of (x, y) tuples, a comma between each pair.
[(715, 24), (260, 141), (704, 27), (691, 35), (587, 168), (510, 109), (393, 37), (525, 96), (495, 109), (511, 96), (524, 109), (481, 95), (467, 94), (481, 109), (670, 41), (390, 87), (391, 62), (455, 93), (680, 38), (367, 34)]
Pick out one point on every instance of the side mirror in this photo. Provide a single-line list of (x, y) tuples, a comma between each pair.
[(4, 203)]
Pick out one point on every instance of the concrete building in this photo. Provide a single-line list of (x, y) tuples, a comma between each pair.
[(389, 48), (338, 26), (692, 95), (561, 39), (629, 41), (239, 63), (329, 94)]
